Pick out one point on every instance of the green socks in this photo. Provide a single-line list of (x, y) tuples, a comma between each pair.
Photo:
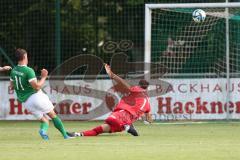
[(59, 125), (44, 126)]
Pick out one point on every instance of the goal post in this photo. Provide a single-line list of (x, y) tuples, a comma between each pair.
[(188, 49), (148, 21)]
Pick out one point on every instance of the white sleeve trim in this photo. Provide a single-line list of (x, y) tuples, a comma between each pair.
[(143, 104), (30, 80), (11, 79)]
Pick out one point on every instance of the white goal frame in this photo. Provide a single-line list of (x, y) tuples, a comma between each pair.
[(148, 27)]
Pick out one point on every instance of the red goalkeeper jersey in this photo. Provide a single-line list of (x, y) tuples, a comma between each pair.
[(136, 102)]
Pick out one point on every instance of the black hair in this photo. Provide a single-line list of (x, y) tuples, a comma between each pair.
[(143, 84)]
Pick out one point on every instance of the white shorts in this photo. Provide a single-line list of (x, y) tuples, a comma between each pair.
[(38, 104)]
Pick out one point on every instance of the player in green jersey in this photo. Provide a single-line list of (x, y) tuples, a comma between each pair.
[(5, 68), (28, 90)]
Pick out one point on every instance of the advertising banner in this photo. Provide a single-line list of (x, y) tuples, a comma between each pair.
[(185, 99)]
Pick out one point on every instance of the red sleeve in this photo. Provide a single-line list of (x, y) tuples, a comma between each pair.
[(147, 108)]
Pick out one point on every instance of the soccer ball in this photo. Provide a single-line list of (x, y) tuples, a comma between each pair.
[(198, 15)]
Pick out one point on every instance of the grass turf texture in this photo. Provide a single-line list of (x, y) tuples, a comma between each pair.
[(167, 141)]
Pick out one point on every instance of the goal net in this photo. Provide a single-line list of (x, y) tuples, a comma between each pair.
[(202, 59)]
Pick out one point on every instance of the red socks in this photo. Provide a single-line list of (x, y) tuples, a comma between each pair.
[(94, 132)]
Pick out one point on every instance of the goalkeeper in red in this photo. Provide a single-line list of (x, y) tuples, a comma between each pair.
[(131, 107)]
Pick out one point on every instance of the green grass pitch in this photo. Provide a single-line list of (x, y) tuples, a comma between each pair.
[(161, 141)]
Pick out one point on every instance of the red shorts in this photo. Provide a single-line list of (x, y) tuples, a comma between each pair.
[(118, 119)]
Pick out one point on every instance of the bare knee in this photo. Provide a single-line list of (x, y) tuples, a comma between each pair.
[(44, 119), (52, 114)]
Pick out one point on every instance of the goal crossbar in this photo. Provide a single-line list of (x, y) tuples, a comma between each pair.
[(148, 23), (148, 27), (194, 5)]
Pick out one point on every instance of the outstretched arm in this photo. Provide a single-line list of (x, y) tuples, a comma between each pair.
[(5, 68), (116, 78)]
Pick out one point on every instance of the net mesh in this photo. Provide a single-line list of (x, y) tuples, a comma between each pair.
[(85, 26), (189, 48)]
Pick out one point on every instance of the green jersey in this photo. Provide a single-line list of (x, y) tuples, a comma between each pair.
[(21, 76)]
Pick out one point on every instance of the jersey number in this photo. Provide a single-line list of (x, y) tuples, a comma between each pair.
[(19, 83)]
